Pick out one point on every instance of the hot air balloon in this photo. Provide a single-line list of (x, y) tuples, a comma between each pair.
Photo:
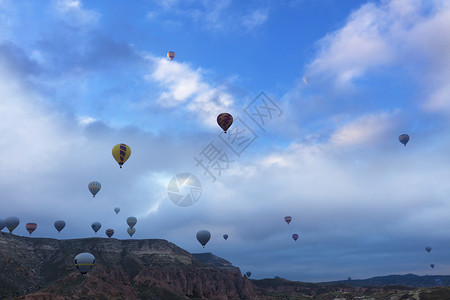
[(288, 219), (225, 120), (432, 266), (31, 227), (403, 138), (295, 236), (171, 55), (94, 187), (428, 248), (59, 225), (11, 223), (306, 80), (121, 153), (96, 226), (248, 274), (117, 209), (2, 224), (131, 221), (109, 232), (225, 236), (131, 231), (84, 262), (203, 237)]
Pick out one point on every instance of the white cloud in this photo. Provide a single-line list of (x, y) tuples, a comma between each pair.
[(73, 9), (187, 87), (255, 19)]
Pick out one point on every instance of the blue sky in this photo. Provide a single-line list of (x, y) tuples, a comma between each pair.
[(347, 77)]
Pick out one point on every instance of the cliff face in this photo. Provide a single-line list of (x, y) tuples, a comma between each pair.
[(124, 269)]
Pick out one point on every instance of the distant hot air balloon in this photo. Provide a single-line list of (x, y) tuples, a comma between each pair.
[(248, 274), (2, 224), (428, 248), (11, 223), (432, 266), (84, 262), (59, 225), (225, 120), (288, 219), (121, 153), (131, 231), (171, 55), (225, 236), (295, 236), (306, 80), (31, 227), (109, 232), (203, 237), (96, 226), (117, 209), (131, 221), (403, 138), (94, 187)]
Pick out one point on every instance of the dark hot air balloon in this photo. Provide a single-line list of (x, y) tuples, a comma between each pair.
[(117, 209), (295, 236), (203, 237), (96, 226), (131, 221), (432, 266), (11, 223), (131, 231), (403, 138), (225, 236), (428, 248), (224, 120), (59, 225), (248, 274)]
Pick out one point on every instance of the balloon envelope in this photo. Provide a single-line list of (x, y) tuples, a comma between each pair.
[(248, 274), (96, 226), (432, 266), (11, 223), (117, 209), (288, 219), (403, 138), (295, 236), (203, 237), (31, 227), (59, 225), (131, 221), (131, 231), (224, 120), (121, 153), (94, 187), (225, 236), (2, 224), (428, 249), (109, 232), (171, 55), (84, 262)]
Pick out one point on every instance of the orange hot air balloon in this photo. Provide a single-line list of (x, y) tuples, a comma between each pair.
[(225, 120), (171, 55)]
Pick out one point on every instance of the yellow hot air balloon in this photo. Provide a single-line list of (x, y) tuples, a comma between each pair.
[(171, 55), (121, 153)]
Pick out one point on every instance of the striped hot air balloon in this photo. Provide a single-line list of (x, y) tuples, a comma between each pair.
[(121, 153), (31, 227), (131, 221), (225, 120), (109, 232), (288, 219), (94, 187), (171, 55)]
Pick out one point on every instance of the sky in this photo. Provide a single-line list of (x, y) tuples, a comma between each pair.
[(319, 92)]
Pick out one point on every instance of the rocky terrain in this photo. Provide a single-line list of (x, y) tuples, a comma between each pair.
[(40, 268)]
